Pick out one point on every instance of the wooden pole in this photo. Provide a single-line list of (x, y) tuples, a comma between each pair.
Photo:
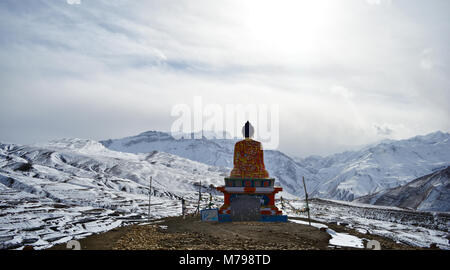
[(183, 208), (306, 198), (199, 197), (210, 204), (149, 198)]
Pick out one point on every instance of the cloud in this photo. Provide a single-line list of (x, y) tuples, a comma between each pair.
[(73, 2), (379, 2), (426, 61), (383, 131), (341, 91), (112, 68)]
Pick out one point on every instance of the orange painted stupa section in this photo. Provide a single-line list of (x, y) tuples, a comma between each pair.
[(248, 160), (249, 193)]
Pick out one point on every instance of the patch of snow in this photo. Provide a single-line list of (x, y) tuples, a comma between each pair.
[(344, 239), (313, 224), (337, 239)]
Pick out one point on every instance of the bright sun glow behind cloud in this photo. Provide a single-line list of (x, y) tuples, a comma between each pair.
[(343, 72), (288, 26)]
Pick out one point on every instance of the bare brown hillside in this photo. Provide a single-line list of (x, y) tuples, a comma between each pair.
[(176, 233)]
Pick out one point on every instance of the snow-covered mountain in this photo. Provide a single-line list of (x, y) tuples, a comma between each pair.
[(386, 165), (208, 151), (343, 176), (427, 193), (71, 188), (216, 152)]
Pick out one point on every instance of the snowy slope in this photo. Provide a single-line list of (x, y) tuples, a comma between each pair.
[(411, 227), (216, 152), (386, 165), (212, 152), (71, 188), (343, 176), (427, 193)]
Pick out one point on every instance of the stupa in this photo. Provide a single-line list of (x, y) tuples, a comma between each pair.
[(249, 192)]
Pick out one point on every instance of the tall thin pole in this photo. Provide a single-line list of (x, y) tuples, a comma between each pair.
[(149, 198), (199, 197), (306, 198), (183, 208), (210, 204)]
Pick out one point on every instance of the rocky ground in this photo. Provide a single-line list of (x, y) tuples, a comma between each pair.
[(176, 233)]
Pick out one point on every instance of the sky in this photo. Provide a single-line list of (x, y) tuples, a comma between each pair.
[(343, 73)]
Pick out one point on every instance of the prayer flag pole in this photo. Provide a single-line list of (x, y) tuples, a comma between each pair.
[(306, 198), (149, 198)]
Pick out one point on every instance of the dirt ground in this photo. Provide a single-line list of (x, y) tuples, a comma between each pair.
[(176, 233)]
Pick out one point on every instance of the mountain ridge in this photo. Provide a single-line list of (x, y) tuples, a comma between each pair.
[(69, 188), (342, 176), (426, 193)]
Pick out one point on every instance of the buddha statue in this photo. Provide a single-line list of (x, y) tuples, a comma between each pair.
[(249, 193), (248, 156)]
